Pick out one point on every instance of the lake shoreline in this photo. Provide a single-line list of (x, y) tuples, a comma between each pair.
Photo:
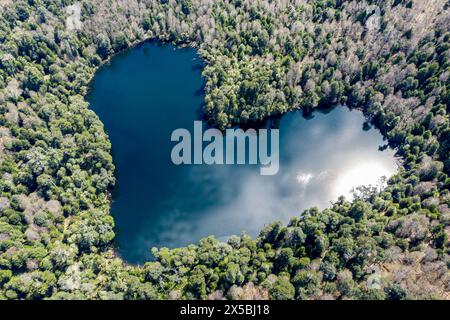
[(158, 204)]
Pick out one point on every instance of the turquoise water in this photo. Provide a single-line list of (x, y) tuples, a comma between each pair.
[(148, 91)]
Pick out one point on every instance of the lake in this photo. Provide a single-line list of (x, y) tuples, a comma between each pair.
[(145, 93)]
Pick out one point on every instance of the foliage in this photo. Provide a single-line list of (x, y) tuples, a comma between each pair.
[(263, 58)]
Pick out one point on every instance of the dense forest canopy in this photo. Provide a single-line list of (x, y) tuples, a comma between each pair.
[(263, 58)]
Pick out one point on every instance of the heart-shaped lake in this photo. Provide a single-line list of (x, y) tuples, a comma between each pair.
[(145, 93)]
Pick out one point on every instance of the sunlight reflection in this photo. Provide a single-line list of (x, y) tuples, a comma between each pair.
[(304, 178), (364, 174)]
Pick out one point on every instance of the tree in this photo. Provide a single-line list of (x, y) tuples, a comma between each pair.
[(34, 78), (103, 46), (282, 289), (306, 283), (395, 292), (284, 260), (359, 211)]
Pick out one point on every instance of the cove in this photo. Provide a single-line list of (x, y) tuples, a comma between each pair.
[(145, 93)]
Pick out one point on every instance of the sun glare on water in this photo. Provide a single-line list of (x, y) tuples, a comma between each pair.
[(362, 175)]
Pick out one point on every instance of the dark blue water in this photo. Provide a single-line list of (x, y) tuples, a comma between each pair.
[(147, 92)]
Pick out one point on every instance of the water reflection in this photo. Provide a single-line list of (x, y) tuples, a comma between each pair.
[(160, 204), (361, 174), (320, 159)]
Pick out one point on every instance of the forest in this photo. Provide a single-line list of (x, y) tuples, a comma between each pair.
[(263, 58)]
